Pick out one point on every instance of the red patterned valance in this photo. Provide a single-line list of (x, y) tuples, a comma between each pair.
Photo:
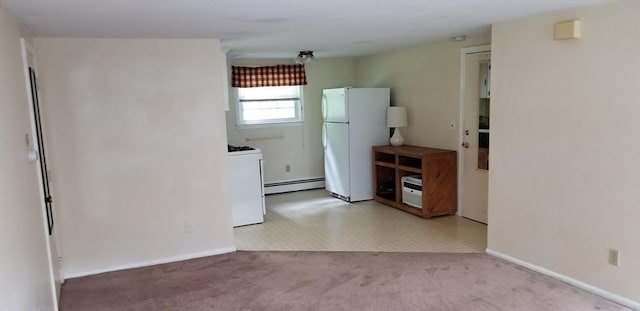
[(279, 75)]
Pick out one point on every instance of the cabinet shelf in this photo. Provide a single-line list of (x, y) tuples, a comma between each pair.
[(385, 200), (410, 209), (437, 167), (384, 158), (409, 169), (386, 164)]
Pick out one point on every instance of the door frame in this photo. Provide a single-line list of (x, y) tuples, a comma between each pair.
[(51, 239), (463, 68)]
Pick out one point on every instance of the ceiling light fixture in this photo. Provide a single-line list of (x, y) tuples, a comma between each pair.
[(304, 57)]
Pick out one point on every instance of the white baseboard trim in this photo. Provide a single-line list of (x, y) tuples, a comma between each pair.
[(592, 289), (293, 185), (152, 262)]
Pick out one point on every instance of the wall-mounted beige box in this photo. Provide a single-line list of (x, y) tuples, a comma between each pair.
[(567, 30)]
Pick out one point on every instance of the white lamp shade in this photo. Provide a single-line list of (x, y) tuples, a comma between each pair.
[(397, 116)]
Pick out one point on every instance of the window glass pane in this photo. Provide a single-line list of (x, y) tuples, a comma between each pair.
[(270, 114), (269, 110), (286, 104), (269, 92), (251, 105), (263, 105)]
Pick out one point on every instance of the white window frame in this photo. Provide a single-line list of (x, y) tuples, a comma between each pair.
[(296, 121)]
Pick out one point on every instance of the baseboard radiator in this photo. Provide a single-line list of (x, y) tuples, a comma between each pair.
[(293, 185)]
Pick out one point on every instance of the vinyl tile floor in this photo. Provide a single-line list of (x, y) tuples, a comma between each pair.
[(314, 221)]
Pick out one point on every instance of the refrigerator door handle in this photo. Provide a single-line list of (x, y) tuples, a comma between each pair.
[(324, 107), (324, 136)]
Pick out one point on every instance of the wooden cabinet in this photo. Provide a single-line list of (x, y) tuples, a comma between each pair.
[(437, 167)]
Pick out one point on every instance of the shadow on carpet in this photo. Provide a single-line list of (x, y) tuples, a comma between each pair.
[(329, 281)]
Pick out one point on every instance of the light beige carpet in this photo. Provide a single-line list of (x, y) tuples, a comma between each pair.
[(329, 281)]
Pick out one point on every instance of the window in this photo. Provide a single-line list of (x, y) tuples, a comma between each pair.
[(271, 105)]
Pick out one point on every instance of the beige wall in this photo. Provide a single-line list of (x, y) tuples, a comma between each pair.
[(425, 79), (564, 184), (24, 267), (300, 146), (137, 150)]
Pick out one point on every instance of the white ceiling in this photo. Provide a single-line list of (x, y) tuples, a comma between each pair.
[(279, 28)]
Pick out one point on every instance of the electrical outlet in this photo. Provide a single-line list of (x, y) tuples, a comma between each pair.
[(614, 257), (287, 168)]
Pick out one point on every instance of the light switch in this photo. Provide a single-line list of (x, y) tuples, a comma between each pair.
[(32, 155)]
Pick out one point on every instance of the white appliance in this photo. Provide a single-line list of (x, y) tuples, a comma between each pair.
[(412, 190), (246, 186), (354, 121)]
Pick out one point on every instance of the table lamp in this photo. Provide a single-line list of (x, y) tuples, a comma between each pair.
[(396, 118)]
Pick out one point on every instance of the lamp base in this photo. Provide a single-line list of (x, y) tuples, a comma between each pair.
[(396, 139)]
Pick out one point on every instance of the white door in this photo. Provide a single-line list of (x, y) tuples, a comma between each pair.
[(46, 190), (367, 128), (336, 158), (475, 137), (334, 105)]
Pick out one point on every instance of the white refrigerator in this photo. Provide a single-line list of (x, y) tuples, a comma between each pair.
[(354, 121)]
